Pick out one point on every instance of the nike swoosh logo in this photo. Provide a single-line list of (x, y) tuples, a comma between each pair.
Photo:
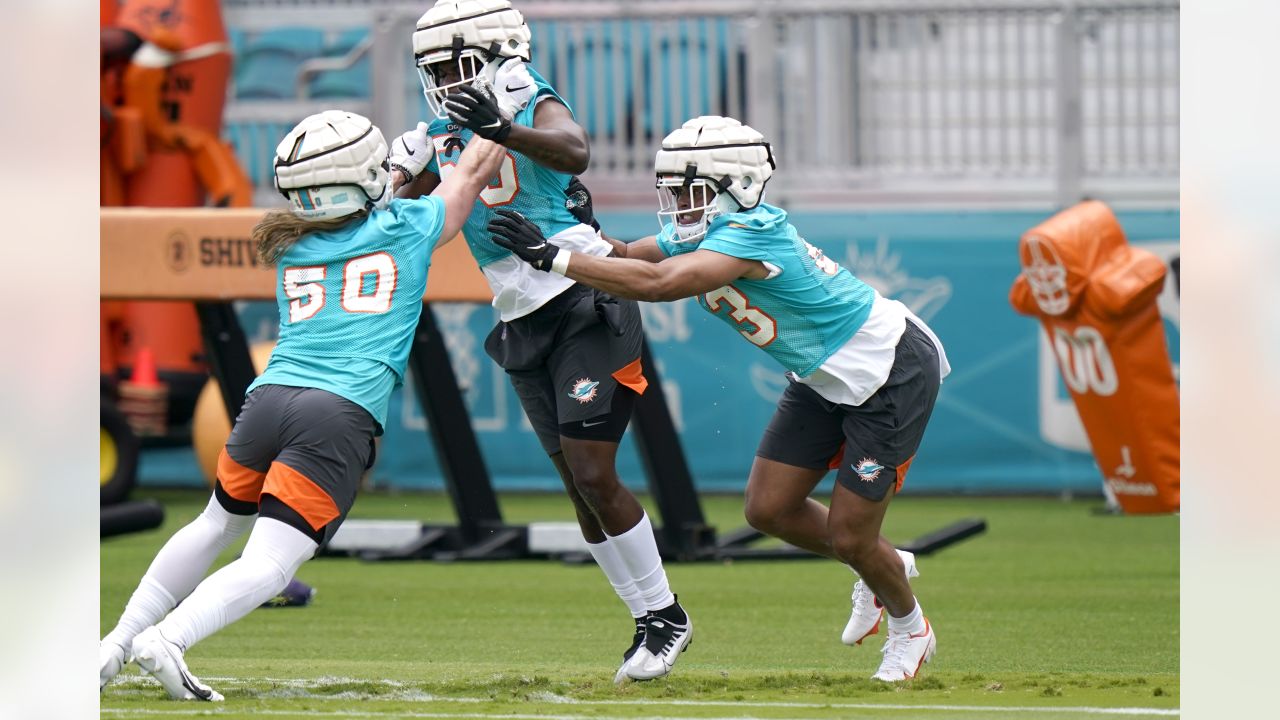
[(202, 693), (187, 681), (495, 123), (409, 150), (511, 89), (587, 424)]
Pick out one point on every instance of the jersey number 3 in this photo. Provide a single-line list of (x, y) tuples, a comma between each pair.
[(754, 324), (303, 286)]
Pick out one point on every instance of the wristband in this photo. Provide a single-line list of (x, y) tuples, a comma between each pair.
[(408, 176), (560, 263)]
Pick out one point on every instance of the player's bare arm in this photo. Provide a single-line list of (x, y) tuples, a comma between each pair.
[(555, 141), (423, 185), (645, 248), (409, 157), (674, 278), (479, 162)]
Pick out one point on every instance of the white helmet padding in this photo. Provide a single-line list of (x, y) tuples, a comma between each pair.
[(471, 33), (727, 162), (333, 164)]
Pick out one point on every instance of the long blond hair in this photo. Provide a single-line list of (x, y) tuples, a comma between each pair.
[(279, 229)]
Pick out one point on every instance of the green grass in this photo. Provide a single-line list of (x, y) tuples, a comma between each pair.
[(1054, 607)]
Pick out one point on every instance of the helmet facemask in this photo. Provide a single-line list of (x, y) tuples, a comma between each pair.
[(689, 203), (464, 35), (469, 63), (713, 166)]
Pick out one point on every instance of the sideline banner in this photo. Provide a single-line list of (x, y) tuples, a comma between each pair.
[(1004, 421)]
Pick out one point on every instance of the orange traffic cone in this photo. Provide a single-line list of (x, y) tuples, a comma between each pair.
[(144, 400)]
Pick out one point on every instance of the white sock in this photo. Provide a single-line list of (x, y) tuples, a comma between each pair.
[(272, 555), (639, 550), (177, 568), (913, 622), (615, 568)]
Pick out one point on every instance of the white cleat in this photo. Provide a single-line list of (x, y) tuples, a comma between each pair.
[(163, 660), (905, 653), (867, 613), (637, 641), (111, 659), (620, 677), (663, 642)]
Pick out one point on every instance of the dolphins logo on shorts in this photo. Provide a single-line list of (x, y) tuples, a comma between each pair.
[(584, 391), (868, 469)]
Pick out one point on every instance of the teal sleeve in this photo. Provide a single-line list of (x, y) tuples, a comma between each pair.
[(544, 92), (423, 217), (670, 247), (739, 243)]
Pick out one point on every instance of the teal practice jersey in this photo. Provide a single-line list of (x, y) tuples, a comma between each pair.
[(801, 315), (349, 302), (522, 185)]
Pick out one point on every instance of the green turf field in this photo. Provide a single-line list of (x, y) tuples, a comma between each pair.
[(1054, 613)]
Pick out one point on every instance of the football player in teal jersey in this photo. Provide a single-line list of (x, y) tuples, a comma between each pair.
[(351, 269), (572, 352), (864, 371)]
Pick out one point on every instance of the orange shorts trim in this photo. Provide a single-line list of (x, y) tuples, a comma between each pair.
[(302, 494), (238, 481), (834, 462), (632, 376), (902, 474)]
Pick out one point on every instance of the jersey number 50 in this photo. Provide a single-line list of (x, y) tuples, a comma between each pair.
[(303, 286)]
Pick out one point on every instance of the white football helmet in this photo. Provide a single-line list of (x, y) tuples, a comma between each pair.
[(469, 33), (722, 162), (1047, 276), (333, 164)]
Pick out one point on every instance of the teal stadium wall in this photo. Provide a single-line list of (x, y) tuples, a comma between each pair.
[(954, 269)]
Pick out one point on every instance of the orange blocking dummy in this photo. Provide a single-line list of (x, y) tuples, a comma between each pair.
[(1096, 297), (166, 64)]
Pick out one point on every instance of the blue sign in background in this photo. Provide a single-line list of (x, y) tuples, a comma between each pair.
[(953, 268)]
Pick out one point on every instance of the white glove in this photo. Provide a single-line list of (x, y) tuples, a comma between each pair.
[(411, 152), (510, 83)]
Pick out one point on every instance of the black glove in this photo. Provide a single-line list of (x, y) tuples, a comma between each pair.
[(514, 232), (478, 112), (578, 202)]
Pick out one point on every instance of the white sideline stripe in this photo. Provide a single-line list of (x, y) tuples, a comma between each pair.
[(552, 698)]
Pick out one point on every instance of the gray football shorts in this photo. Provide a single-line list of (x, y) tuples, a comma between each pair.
[(304, 446), (872, 444), (573, 362)]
